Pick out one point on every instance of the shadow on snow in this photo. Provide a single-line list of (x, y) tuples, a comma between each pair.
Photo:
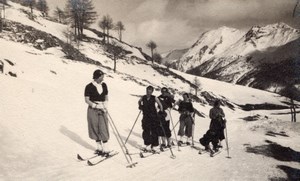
[(76, 138), (275, 151), (292, 173)]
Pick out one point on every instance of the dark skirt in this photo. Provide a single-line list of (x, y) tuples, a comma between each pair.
[(164, 128), (217, 126)]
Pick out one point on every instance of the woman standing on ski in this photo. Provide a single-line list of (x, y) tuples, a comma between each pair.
[(217, 124), (150, 123), (96, 96), (186, 120), (167, 101)]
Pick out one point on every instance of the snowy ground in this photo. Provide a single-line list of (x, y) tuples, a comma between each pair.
[(43, 124)]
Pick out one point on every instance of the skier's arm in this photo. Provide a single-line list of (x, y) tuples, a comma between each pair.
[(89, 102), (192, 109), (140, 103), (222, 113), (159, 104)]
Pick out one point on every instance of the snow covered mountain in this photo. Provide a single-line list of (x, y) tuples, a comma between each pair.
[(43, 114), (233, 56), (256, 53), (210, 44)]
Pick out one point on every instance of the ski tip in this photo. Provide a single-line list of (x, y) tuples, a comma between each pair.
[(141, 155), (89, 163), (173, 156), (79, 157)]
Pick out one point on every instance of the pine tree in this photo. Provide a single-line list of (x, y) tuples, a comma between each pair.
[(197, 84), (120, 27), (81, 15), (157, 58), (152, 45), (60, 14), (106, 23), (43, 7), (116, 52), (87, 14), (102, 26), (30, 4)]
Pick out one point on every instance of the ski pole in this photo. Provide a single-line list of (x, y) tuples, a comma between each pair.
[(163, 129), (227, 141), (193, 128), (175, 125), (132, 127), (120, 141), (174, 129)]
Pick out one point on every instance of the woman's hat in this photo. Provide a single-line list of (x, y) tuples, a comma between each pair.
[(97, 73)]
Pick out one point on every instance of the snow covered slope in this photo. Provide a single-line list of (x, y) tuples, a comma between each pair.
[(43, 118)]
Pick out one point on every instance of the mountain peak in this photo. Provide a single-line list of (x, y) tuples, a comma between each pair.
[(277, 29)]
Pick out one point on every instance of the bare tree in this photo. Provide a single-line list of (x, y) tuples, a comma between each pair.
[(293, 93), (152, 45), (120, 27)]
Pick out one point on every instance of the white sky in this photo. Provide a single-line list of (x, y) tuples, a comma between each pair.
[(175, 24)]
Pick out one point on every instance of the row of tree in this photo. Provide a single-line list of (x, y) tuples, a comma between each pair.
[(40, 5), (81, 14)]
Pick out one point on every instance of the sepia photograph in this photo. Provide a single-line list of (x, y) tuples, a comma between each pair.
[(152, 90)]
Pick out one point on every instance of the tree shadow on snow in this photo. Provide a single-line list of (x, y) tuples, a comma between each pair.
[(76, 138), (292, 173), (275, 151)]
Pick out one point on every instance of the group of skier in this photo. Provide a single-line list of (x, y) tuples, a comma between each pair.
[(156, 118)]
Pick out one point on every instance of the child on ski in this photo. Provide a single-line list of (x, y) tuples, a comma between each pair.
[(167, 101), (150, 123), (96, 96), (186, 120)]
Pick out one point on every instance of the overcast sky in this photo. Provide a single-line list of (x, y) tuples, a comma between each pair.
[(175, 24)]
